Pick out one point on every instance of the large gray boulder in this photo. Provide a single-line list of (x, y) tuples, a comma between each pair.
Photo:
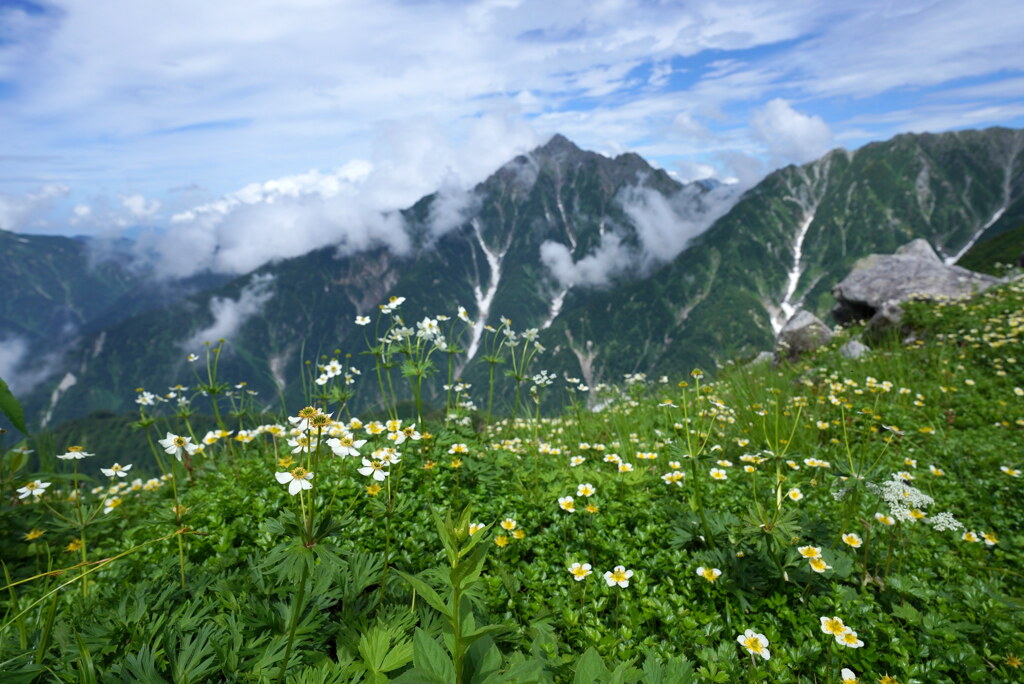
[(913, 271), (802, 333)]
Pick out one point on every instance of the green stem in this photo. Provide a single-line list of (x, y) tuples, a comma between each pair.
[(296, 611)]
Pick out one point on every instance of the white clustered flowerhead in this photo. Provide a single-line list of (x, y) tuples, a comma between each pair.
[(901, 497), (756, 644), (297, 479)]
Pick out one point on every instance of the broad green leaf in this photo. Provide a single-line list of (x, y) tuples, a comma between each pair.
[(11, 408), (590, 669), (428, 656)]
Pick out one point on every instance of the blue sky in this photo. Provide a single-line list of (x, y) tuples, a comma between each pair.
[(190, 116)]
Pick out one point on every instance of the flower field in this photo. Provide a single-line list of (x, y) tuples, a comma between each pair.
[(835, 520)]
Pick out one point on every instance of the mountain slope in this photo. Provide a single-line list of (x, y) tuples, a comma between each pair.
[(606, 256), (790, 239), (485, 255)]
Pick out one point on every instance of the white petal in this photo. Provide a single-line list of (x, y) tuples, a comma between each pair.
[(284, 478)]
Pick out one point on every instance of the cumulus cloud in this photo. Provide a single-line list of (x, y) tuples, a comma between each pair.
[(664, 226), (230, 314), (789, 135), (139, 206), (353, 207)]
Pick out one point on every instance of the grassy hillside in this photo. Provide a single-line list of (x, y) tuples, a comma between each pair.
[(993, 255), (688, 531)]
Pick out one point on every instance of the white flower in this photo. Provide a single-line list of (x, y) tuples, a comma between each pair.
[(620, 576), (345, 445), (847, 676), (849, 639), (567, 503), (116, 470), (74, 452), (756, 644), (373, 469), (177, 444), (579, 571), (710, 574), (362, 320), (297, 480), (585, 490), (35, 488)]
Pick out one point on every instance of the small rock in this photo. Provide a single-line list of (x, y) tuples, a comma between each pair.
[(802, 333), (854, 349)]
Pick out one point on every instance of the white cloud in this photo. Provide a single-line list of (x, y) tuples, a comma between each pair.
[(230, 314), (134, 99), (28, 212), (664, 227), (21, 367), (789, 135), (610, 259), (139, 206), (353, 207)]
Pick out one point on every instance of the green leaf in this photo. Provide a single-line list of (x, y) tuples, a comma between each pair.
[(12, 408), (469, 567), (590, 669), (427, 592), (447, 533), (428, 656)]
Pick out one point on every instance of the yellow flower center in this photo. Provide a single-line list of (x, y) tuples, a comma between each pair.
[(834, 626), (179, 441), (753, 644), (74, 449), (300, 473)]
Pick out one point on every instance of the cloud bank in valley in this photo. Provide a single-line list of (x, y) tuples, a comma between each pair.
[(664, 226), (229, 315)]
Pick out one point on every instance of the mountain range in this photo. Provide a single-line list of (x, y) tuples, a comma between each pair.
[(620, 267)]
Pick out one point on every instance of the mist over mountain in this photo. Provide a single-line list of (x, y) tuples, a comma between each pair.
[(619, 266)]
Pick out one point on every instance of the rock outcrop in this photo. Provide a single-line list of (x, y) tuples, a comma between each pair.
[(802, 333), (878, 283)]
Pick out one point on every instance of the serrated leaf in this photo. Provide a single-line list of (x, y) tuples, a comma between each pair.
[(590, 669)]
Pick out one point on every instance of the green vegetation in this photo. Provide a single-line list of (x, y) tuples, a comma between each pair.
[(995, 254), (713, 302), (780, 525)]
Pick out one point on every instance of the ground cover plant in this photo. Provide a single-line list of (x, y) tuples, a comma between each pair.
[(834, 520)]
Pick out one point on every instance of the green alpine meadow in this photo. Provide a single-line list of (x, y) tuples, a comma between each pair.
[(511, 342), (831, 520)]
